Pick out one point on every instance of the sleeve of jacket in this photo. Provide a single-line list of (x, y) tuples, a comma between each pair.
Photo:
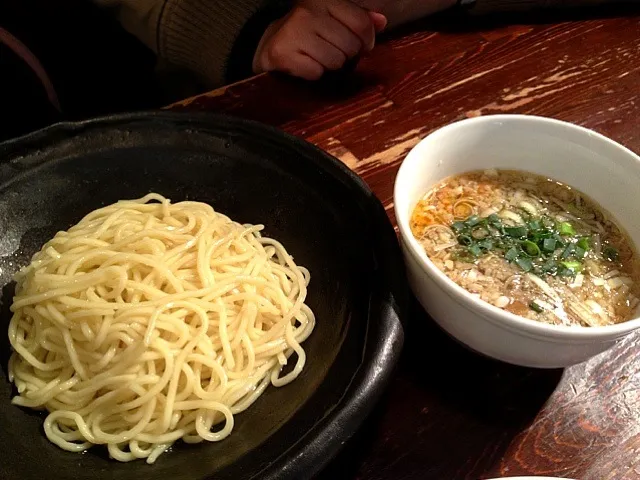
[(199, 35)]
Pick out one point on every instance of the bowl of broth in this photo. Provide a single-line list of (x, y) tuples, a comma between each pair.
[(520, 237)]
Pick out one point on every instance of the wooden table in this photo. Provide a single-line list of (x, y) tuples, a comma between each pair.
[(448, 413)]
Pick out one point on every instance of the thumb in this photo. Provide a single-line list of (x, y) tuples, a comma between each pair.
[(379, 21)]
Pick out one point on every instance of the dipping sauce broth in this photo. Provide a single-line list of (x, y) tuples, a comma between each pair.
[(532, 246)]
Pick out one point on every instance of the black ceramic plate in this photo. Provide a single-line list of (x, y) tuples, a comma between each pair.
[(324, 214)]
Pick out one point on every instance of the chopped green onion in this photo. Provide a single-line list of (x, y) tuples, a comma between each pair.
[(457, 227), (511, 254), (575, 267), (535, 307), (516, 232), (569, 250), (524, 263), (559, 240), (583, 243), (473, 220), (530, 248), (580, 252), (486, 244), (535, 225), (550, 267), (549, 244), (465, 240), (495, 220), (565, 228), (610, 253), (542, 245)]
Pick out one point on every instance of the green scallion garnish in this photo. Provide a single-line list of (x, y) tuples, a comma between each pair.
[(530, 248), (534, 225), (566, 229), (610, 253), (541, 245), (473, 220), (572, 265), (535, 307), (511, 254), (516, 232), (524, 263), (583, 243), (465, 240), (458, 227), (549, 244)]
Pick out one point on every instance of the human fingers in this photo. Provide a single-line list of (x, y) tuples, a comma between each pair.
[(340, 36), (325, 53), (379, 21), (303, 66), (355, 19)]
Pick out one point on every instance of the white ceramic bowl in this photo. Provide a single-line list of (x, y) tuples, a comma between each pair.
[(588, 161)]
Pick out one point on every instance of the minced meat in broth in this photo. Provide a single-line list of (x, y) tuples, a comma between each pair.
[(532, 246)]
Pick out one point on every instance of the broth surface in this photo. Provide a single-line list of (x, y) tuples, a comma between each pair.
[(532, 246)]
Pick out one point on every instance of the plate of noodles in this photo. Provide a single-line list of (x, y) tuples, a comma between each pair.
[(187, 297)]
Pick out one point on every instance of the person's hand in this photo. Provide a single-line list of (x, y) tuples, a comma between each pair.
[(316, 36)]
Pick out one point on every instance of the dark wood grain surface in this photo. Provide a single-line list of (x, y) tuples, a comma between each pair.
[(450, 414)]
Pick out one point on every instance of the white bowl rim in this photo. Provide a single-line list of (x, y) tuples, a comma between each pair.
[(491, 312)]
